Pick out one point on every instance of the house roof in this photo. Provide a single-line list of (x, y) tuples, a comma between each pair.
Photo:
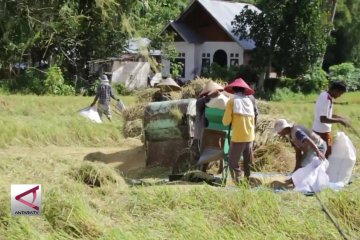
[(186, 33), (223, 13)]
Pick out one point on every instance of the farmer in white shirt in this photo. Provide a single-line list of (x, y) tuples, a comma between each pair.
[(324, 118)]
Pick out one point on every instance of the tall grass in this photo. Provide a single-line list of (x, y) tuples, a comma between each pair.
[(92, 201), (47, 120)]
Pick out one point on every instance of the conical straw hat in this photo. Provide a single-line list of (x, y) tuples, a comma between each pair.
[(239, 83), (169, 85), (211, 87)]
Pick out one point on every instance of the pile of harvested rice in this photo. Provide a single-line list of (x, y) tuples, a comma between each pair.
[(271, 153), (133, 129), (97, 174), (134, 112), (194, 87)]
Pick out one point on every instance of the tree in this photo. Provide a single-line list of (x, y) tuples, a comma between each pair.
[(346, 47), (64, 32), (150, 17), (289, 35)]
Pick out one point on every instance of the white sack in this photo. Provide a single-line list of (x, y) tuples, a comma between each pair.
[(91, 113), (218, 102), (312, 177), (120, 105), (342, 159)]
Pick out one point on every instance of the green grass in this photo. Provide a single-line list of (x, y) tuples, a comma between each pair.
[(47, 120), (41, 138)]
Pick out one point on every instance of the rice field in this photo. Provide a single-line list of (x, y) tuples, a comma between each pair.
[(43, 140)]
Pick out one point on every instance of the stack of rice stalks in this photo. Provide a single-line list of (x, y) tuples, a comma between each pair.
[(193, 89), (133, 121), (271, 153)]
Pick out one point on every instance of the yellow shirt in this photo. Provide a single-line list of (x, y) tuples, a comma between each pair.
[(243, 127)]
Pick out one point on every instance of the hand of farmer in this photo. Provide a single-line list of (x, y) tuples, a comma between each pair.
[(344, 122), (320, 155)]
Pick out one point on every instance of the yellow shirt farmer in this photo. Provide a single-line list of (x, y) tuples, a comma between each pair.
[(240, 114)]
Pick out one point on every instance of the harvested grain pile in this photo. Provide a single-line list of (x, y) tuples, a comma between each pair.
[(134, 112), (133, 129), (145, 95), (97, 174), (193, 89), (271, 153)]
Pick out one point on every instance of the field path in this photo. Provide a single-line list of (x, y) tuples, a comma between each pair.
[(130, 155)]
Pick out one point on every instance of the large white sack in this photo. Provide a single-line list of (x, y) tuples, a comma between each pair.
[(312, 177), (218, 102), (342, 159), (91, 113)]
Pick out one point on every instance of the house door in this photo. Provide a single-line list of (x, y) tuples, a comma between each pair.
[(220, 57)]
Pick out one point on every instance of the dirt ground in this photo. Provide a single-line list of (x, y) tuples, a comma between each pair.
[(129, 158)]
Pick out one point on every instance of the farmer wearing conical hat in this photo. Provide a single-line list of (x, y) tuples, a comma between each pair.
[(166, 86), (240, 114), (210, 90), (103, 94)]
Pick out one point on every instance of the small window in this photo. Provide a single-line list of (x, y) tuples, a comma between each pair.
[(236, 55), (208, 55), (203, 55), (231, 55), (205, 66), (234, 62)]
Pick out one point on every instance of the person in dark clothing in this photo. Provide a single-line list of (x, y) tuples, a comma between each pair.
[(103, 94)]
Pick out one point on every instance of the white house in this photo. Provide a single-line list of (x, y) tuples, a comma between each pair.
[(203, 35)]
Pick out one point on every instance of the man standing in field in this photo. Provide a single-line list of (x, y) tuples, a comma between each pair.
[(240, 114), (103, 94), (324, 117)]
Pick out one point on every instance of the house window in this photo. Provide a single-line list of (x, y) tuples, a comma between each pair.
[(234, 62), (205, 66), (177, 67)]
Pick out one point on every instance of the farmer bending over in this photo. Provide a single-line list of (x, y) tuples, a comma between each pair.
[(307, 144), (240, 114), (103, 94)]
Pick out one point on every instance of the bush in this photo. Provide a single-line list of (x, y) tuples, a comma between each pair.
[(230, 73), (282, 94), (54, 83), (313, 81), (348, 73), (122, 90)]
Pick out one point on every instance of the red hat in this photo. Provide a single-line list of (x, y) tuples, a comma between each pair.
[(239, 83)]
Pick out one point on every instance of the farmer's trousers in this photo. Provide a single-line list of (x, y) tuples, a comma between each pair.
[(236, 150)]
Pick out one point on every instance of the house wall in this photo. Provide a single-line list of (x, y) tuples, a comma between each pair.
[(132, 74), (228, 47), (189, 50), (194, 56)]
